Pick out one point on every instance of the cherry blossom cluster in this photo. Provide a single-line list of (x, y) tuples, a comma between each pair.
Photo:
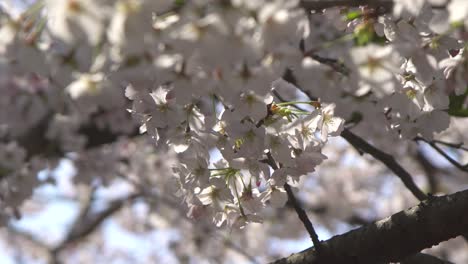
[(244, 93)]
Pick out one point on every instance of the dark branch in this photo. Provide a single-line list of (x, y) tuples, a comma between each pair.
[(444, 154), (386, 159), (300, 212), (396, 237), (430, 171), (460, 145), (303, 217), (87, 224)]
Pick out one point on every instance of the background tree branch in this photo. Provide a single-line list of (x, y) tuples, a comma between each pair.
[(386, 159)]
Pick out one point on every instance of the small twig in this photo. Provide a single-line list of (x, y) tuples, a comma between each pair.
[(444, 154), (386, 159), (335, 64), (304, 218), (429, 170), (300, 212), (27, 236), (282, 99), (452, 145), (87, 224)]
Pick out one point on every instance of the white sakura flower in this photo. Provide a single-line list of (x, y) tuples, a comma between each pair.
[(455, 72), (307, 160), (328, 124), (302, 131), (251, 200), (435, 96), (18, 54), (199, 211), (257, 170), (86, 85), (248, 92), (241, 221), (279, 148), (75, 21), (286, 89), (228, 216), (282, 24), (458, 10), (253, 105), (405, 105), (216, 197), (417, 97), (165, 112), (377, 67), (199, 174), (131, 25), (413, 7), (279, 177), (439, 23), (247, 139), (433, 122), (277, 196)]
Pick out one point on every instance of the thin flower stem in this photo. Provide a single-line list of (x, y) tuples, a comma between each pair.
[(296, 102), (238, 200), (220, 169)]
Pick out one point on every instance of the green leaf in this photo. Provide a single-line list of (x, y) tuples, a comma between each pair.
[(179, 3), (365, 34), (353, 15), (457, 106)]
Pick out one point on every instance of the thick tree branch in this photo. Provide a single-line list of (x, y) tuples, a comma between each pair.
[(396, 237)]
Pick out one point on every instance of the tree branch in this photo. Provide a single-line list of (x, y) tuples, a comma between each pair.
[(386, 159), (396, 237), (303, 217), (444, 154), (300, 212), (87, 224), (429, 171), (460, 145), (323, 4)]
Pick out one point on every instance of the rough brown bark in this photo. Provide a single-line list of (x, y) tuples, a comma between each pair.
[(396, 237)]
